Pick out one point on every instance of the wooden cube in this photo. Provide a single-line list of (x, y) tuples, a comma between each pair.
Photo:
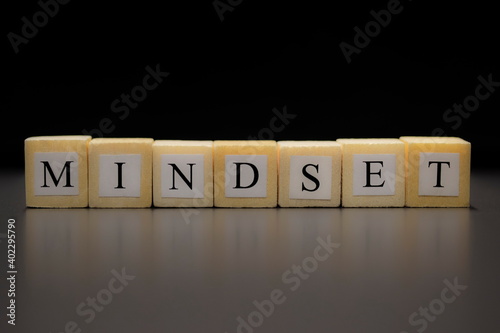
[(437, 171), (120, 172), (182, 173), (245, 173), (373, 172), (309, 173), (56, 171)]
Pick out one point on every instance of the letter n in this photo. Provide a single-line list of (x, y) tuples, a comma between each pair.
[(189, 182)]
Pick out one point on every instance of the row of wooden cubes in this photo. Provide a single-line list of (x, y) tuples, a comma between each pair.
[(78, 171)]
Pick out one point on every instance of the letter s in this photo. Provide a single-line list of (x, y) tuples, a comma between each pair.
[(310, 177)]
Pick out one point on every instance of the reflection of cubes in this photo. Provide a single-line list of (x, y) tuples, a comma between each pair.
[(245, 173), (56, 171), (437, 172), (120, 172), (309, 173), (182, 173), (373, 173)]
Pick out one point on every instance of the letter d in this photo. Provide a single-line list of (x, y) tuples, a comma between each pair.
[(238, 175)]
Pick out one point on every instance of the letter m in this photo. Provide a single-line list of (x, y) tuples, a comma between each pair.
[(65, 170)]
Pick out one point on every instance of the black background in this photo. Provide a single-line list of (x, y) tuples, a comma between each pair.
[(227, 76)]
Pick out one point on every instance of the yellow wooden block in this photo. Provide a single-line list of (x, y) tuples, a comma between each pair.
[(437, 171), (309, 173), (182, 173), (245, 173), (120, 172), (56, 171), (373, 172)]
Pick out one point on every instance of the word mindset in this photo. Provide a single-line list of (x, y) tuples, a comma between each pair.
[(78, 171)]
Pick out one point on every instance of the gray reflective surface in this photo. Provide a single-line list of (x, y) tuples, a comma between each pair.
[(256, 270)]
